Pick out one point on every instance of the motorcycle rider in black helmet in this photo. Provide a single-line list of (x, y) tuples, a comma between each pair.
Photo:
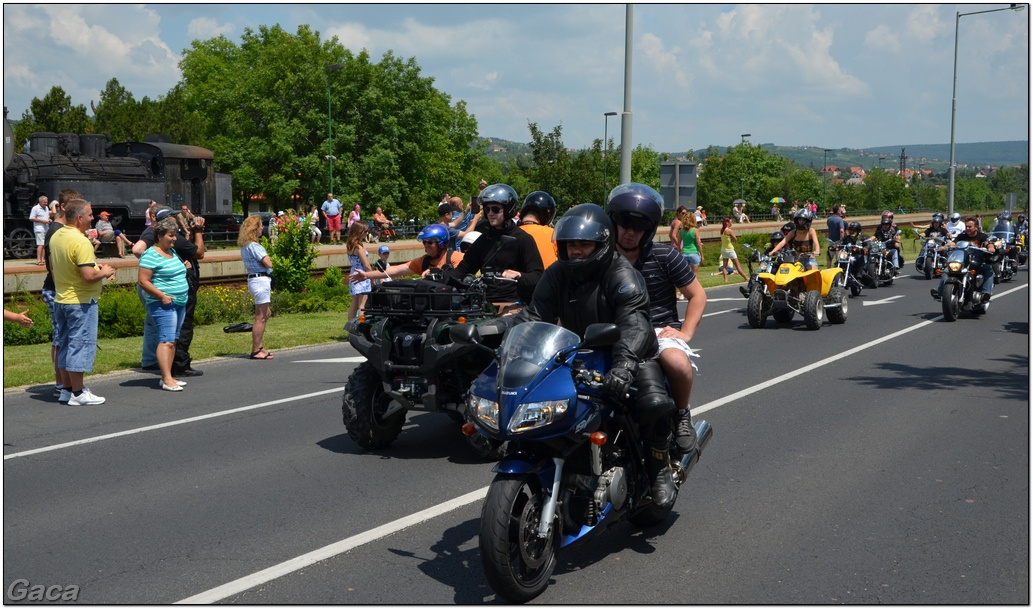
[(535, 219), (635, 210), (803, 238), (887, 232), (504, 249), (592, 283)]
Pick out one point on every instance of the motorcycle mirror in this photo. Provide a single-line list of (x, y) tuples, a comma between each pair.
[(464, 334), (601, 335)]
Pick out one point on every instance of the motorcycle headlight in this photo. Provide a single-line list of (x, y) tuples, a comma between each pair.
[(537, 414), (484, 410), (954, 266), (843, 255)]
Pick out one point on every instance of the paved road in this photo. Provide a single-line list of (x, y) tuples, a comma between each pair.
[(885, 460)]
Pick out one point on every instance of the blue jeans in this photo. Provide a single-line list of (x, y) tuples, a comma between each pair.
[(692, 259), (895, 258), (168, 319), (78, 343), (150, 335)]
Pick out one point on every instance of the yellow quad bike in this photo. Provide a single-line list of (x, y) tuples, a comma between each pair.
[(791, 289)]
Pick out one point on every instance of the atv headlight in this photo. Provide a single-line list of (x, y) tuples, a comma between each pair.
[(537, 414), (484, 410), (954, 266)]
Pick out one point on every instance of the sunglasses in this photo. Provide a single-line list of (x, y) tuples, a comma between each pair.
[(634, 222), (493, 209), (430, 242)]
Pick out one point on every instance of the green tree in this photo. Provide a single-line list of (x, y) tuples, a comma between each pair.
[(54, 113)]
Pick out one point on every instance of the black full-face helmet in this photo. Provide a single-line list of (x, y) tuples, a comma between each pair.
[(585, 222), (854, 227), (776, 237), (788, 228), (501, 194), (541, 204), (938, 218), (804, 214), (636, 205)]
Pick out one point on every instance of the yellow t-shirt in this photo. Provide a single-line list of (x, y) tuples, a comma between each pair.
[(70, 249)]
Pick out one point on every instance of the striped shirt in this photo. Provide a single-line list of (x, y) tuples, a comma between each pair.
[(664, 270), (169, 275)]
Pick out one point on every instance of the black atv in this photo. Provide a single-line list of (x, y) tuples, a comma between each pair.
[(411, 362)]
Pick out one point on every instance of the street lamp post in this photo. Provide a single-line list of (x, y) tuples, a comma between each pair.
[(606, 150), (742, 168), (825, 180), (918, 183), (329, 124), (954, 96)]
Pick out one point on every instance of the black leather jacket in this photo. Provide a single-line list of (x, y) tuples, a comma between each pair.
[(618, 297), (519, 254)]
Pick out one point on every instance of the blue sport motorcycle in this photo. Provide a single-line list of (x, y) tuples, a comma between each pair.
[(574, 463)]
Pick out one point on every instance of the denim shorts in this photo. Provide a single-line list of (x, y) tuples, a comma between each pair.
[(168, 319), (48, 297), (78, 342), (692, 259)]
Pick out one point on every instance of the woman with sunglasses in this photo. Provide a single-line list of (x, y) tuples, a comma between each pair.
[(437, 256)]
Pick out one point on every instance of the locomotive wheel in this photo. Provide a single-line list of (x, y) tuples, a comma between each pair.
[(813, 310), (364, 407), (756, 312), (951, 301), (837, 315), (20, 243)]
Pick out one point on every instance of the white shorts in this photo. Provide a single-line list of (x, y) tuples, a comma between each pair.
[(41, 237), (729, 254), (675, 343), (260, 288)]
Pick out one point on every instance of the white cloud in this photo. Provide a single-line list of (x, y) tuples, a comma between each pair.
[(923, 23), (881, 38), (206, 27), (664, 62)]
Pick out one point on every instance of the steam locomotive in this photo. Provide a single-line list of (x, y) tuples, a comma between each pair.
[(121, 179)]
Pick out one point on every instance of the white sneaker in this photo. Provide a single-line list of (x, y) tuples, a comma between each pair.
[(65, 396), (86, 398)]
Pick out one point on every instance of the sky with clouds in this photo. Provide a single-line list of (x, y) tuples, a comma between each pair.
[(843, 75)]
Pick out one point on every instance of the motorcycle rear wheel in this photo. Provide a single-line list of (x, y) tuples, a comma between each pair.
[(951, 301), (516, 561), (813, 310), (756, 312), (363, 407)]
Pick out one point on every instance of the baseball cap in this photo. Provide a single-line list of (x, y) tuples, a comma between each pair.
[(384, 250), (164, 211), (105, 214), (445, 208)]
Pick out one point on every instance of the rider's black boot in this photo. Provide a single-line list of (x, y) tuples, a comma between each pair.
[(663, 491)]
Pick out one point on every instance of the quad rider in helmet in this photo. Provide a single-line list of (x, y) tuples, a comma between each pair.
[(535, 218), (635, 210), (437, 256), (803, 238), (592, 283), (887, 231), (502, 249)]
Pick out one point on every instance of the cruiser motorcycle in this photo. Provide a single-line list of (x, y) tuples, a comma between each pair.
[(962, 282), (929, 261), (851, 258), (574, 465)]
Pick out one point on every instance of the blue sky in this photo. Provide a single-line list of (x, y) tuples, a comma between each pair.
[(853, 75)]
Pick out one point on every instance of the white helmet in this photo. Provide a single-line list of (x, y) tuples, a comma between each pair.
[(468, 240)]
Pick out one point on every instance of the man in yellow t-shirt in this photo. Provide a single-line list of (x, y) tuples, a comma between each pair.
[(77, 286)]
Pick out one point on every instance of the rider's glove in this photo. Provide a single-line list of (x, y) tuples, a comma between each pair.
[(617, 381)]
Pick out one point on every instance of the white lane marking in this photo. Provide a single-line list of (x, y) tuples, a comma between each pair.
[(255, 579), (871, 303), (266, 575), (720, 312), (130, 432), (332, 360), (740, 299)]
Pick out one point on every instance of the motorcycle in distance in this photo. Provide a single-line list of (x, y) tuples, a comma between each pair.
[(929, 261), (880, 267), (850, 257), (765, 264), (1005, 261), (962, 281), (792, 289), (411, 363), (574, 464)]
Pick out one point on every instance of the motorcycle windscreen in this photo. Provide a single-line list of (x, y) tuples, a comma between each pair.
[(528, 348)]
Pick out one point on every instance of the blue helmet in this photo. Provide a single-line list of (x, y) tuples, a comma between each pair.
[(434, 231), (637, 200)]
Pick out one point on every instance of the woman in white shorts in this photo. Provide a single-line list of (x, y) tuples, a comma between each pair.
[(728, 239), (259, 280)]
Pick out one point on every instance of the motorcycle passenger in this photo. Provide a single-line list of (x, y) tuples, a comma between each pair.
[(437, 256), (804, 239), (535, 218), (635, 210), (467, 240), (936, 227), (591, 283), (1021, 227), (977, 237), (503, 249), (955, 226), (886, 231)]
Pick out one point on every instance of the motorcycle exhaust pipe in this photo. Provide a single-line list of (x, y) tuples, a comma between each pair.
[(703, 434)]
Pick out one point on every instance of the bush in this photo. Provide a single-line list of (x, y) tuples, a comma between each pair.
[(120, 313), (222, 304), (41, 330), (292, 256), (333, 277)]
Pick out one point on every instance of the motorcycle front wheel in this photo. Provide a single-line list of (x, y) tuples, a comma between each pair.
[(517, 561), (873, 274), (365, 407), (951, 300), (929, 269)]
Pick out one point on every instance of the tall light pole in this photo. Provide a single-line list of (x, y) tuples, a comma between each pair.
[(954, 97), (330, 158), (742, 169), (606, 149), (825, 180), (918, 182)]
